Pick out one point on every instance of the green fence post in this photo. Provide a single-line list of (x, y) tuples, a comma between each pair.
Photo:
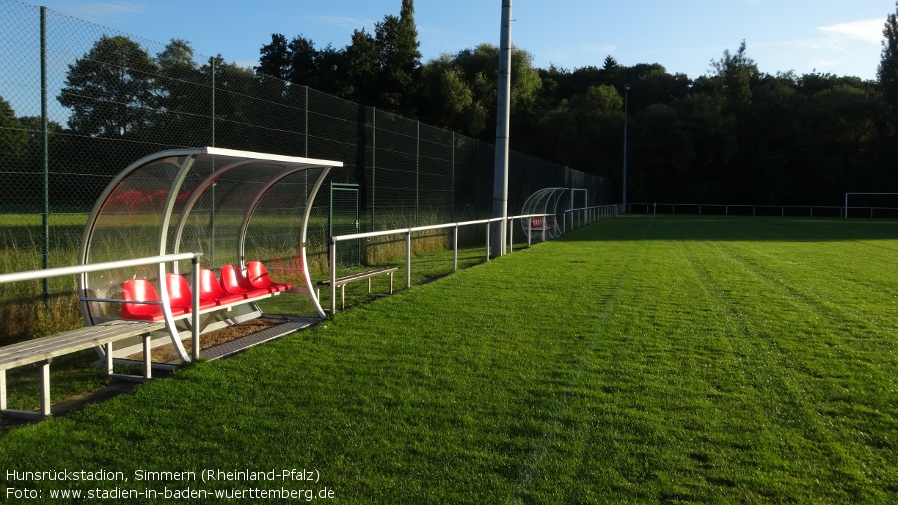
[(44, 125)]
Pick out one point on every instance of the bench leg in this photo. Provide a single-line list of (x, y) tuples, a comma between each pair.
[(391, 283), (147, 358), (343, 297), (109, 359), (45, 397), (45, 388), (369, 285), (2, 389)]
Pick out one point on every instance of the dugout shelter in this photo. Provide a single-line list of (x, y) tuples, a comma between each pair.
[(239, 209), (552, 202)]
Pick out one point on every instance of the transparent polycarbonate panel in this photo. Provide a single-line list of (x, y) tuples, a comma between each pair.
[(214, 223), (274, 233), (128, 226)]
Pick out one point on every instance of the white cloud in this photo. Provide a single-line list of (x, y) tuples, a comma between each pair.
[(866, 30)]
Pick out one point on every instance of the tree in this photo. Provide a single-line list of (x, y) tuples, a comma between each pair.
[(397, 39), (887, 72), (734, 77), (182, 96), (274, 58), (361, 60), (478, 69), (447, 101), (111, 89), (235, 107), (13, 137), (303, 59)]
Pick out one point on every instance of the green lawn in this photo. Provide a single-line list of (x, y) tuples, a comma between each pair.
[(639, 360)]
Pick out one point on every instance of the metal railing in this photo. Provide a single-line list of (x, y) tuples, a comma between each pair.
[(408, 246), (32, 275), (590, 214), (761, 210)]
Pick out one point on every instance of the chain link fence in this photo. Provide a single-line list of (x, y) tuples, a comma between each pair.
[(79, 102)]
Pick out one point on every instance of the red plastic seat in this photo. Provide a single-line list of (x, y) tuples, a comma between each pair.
[(211, 291), (257, 275), (180, 295), (141, 290), (234, 282)]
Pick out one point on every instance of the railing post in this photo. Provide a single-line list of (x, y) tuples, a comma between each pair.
[(333, 262), (489, 224), (510, 235), (455, 248), (408, 258)]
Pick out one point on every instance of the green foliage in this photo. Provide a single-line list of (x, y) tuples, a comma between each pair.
[(274, 59), (119, 72), (474, 73), (887, 72), (13, 137), (362, 64), (397, 38)]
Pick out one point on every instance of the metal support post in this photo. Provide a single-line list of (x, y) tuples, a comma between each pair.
[(45, 388), (510, 235), (147, 358), (109, 368), (488, 225), (195, 302), (333, 286), (408, 259), (455, 248), (2, 389)]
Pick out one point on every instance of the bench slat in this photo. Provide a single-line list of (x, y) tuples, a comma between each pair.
[(101, 331), (46, 348), (358, 276), (113, 329)]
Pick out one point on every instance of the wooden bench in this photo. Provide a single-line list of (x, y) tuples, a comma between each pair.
[(44, 349), (341, 282)]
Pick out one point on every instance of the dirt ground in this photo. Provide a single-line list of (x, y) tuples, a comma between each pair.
[(167, 353)]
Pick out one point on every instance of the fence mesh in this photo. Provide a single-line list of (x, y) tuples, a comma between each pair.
[(112, 98)]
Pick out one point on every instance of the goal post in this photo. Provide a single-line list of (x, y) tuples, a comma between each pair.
[(572, 205), (847, 194)]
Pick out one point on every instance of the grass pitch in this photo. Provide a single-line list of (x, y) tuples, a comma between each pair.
[(639, 360)]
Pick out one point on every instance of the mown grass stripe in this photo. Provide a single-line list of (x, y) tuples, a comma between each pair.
[(574, 381)]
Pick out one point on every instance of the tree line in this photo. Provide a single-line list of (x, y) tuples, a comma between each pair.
[(734, 135)]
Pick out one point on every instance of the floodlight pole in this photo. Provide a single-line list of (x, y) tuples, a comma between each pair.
[(500, 170)]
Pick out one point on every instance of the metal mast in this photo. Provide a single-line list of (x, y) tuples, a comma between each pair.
[(498, 232)]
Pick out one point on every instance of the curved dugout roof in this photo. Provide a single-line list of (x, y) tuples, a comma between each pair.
[(543, 201), (233, 206)]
